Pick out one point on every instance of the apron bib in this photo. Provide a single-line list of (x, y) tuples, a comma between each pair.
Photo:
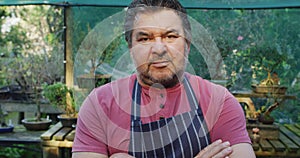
[(183, 135)]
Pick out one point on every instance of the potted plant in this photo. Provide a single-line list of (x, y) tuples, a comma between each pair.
[(3, 126), (61, 96), (264, 116), (33, 76), (269, 59)]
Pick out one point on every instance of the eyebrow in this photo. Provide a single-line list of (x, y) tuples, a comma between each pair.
[(172, 31), (141, 33)]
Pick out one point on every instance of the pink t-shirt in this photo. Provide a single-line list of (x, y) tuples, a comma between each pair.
[(103, 124)]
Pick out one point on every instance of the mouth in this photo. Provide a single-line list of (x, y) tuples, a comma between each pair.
[(160, 63)]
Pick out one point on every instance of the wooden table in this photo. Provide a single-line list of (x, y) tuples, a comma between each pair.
[(57, 143)]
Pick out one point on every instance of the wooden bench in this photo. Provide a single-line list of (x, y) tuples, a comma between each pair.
[(57, 143), (287, 144)]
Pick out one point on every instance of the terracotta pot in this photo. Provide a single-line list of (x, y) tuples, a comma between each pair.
[(34, 125)]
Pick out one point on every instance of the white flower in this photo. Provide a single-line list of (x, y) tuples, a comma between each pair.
[(8, 23)]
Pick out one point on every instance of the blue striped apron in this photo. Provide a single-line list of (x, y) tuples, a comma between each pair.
[(183, 135)]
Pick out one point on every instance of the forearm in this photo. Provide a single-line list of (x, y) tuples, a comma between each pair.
[(88, 155), (244, 150), (97, 155), (224, 149)]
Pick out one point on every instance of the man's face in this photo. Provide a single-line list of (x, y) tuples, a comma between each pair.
[(159, 48)]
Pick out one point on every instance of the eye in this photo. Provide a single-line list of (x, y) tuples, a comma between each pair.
[(171, 37), (143, 39)]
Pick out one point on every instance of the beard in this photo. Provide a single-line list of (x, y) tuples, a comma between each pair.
[(166, 82), (166, 77)]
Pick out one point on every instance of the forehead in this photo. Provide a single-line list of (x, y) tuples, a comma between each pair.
[(160, 20)]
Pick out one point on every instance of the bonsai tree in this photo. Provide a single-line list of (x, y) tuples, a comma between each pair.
[(61, 96), (94, 51), (264, 113), (268, 59), (30, 72)]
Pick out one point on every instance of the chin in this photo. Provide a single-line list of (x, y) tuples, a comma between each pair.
[(161, 75), (165, 78)]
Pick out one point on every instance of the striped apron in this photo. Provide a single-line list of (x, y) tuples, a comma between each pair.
[(183, 135)]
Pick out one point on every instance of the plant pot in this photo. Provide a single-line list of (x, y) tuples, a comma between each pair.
[(252, 120), (274, 89), (34, 125), (6, 129), (67, 121), (266, 120), (4, 93)]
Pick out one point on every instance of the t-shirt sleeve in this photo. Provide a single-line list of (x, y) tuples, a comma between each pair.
[(90, 134), (231, 123)]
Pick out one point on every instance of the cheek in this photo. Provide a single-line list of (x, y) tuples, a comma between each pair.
[(178, 52), (139, 55)]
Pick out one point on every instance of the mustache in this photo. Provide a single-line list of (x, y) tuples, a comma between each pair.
[(160, 58)]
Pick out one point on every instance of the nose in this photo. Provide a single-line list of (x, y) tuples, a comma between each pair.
[(158, 47)]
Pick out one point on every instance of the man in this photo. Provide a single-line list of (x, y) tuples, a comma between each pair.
[(161, 111)]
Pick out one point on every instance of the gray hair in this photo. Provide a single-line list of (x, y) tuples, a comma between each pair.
[(142, 6)]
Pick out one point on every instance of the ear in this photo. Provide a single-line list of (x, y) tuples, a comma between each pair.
[(188, 47), (130, 50)]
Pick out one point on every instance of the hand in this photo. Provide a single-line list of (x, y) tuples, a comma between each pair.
[(217, 149), (121, 155)]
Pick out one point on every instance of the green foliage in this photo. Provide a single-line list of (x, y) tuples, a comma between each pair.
[(27, 59), (57, 94), (11, 152), (84, 19), (244, 37), (20, 151), (251, 41)]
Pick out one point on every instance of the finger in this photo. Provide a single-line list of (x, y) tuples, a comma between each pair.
[(223, 153), (220, 151), (207, 149), (121, 155), (213, 149), (213, 145)]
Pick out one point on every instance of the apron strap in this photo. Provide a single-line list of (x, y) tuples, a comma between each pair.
[(194, 104), (136, 100)]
